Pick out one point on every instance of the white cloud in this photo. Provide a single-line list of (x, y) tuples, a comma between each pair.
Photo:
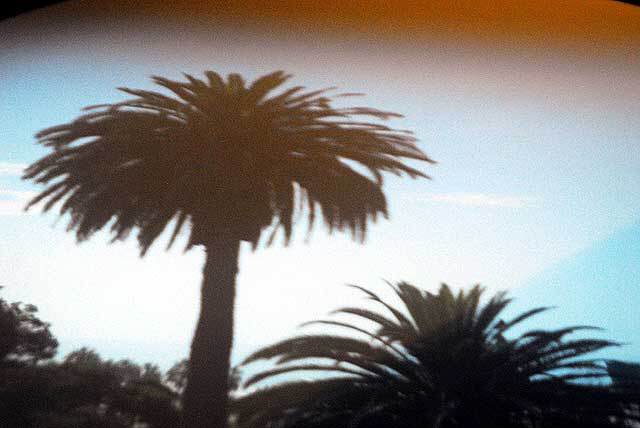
[(11, 168), (12, 202), (482, 200)]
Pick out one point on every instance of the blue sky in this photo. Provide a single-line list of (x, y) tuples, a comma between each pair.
[(538, 155), (599, 286)]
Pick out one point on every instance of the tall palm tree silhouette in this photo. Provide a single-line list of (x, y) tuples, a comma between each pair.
[(231, 160), (438, 360)]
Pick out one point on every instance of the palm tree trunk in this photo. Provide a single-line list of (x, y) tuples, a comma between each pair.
[(205, 401)]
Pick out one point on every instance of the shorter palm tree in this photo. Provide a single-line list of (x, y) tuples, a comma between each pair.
[(442, 360)]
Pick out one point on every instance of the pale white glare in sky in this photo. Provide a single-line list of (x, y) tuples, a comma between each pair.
[(537, 154), (9, 168), (480, 199), (12, 202)]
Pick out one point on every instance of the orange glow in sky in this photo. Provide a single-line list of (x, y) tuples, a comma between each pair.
[(595, 23)]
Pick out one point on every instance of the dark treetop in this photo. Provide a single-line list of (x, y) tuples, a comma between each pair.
[(224, 155)]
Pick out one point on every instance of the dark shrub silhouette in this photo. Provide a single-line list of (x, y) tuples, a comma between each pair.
[(83, 391), (626, 379), (24, 338), (440, 360), (86, 391), (229, 160)]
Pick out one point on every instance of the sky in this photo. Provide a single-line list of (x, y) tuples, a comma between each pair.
[(531, 112), (599, 286)]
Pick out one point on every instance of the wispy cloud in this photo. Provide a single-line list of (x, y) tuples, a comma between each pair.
[(482, 200), (12, 202), (11, 168)]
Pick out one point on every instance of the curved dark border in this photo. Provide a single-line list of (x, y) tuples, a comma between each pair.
[(17, 7)]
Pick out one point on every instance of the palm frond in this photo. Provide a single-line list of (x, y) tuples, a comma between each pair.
[(226, 156), (445, 352)]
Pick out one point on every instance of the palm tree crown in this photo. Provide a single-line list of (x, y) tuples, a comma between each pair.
[(440, 360), (227, 156), (230, 159)]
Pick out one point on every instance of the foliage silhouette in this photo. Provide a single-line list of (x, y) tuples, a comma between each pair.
[(176, 377), (86, 391), (624, 374), (78, 394), (625, 377), (440, 360), (24, 338), (83, 391), (231, 160)]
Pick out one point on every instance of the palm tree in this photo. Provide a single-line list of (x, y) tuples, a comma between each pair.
[(230, 160), (442, 360)]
